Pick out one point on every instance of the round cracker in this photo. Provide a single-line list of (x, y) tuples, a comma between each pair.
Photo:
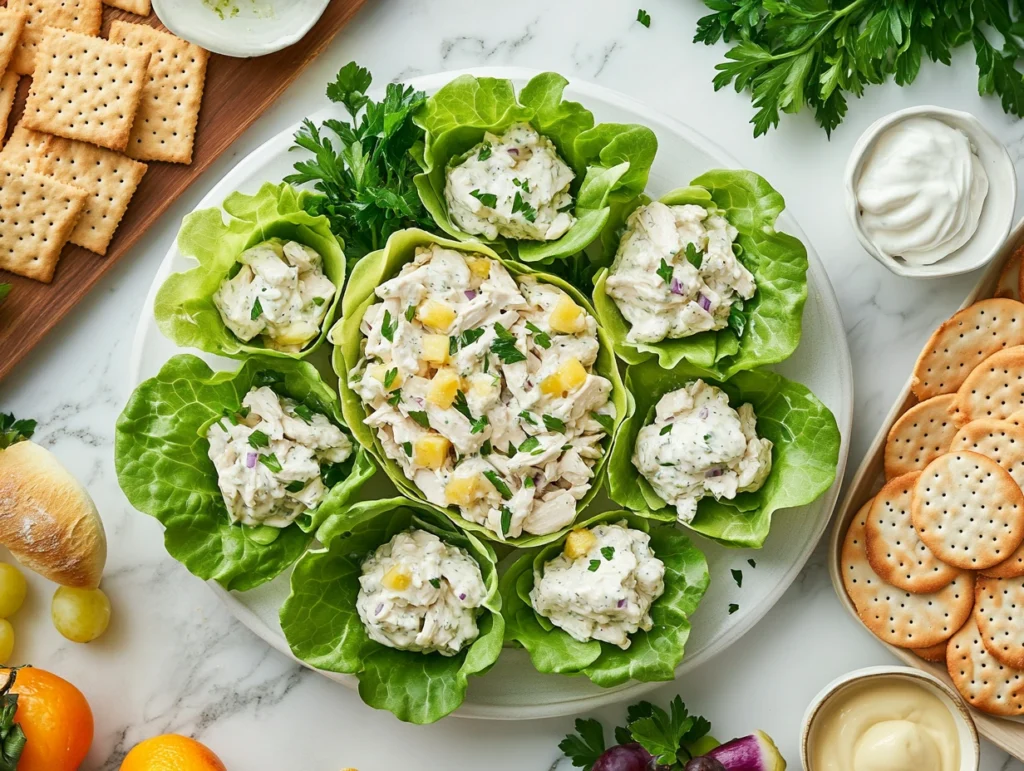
[(934, 653), (999, 613), (1000, 440), (984, 682), (895, 616), (963, 342), (895, 551), (994, 389), (968, 510), (921, 434)]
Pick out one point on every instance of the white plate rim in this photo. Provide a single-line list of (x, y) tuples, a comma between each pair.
[(844, 417)]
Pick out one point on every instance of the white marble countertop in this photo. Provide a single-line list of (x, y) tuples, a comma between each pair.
[(175, 660)]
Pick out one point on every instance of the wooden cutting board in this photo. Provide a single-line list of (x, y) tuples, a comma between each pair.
[(237, 92)]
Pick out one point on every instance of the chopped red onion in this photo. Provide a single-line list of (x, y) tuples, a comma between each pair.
[(513, 151), (470, 294), (378, 609), (703, 413), (714, 472), (676, 287), (462, 596), (705, 303), (250, 460), (622, 603)]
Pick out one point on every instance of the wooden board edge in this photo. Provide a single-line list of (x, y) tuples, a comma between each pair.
[(1004, 733)]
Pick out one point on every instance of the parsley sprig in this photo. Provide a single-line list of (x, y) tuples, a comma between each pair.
[(819, 52), (365, 172)]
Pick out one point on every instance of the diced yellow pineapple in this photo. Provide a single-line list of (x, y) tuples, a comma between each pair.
[(566, 379), (435, 349), (436, 314), (297, 333), (463, 491), (567, 316), (431, 451), (479, 266), (579, 543), (396, 580), (443, 387), (380, 372)]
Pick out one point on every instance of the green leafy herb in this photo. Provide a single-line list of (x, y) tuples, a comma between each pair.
[(304, 412), (791, 54), (257, 310), (551, 423), (506, 519), (733, 607), (453, 345), (318, 301), (388, 327), (737, 576), (490, 200), (607, 421), (498, 483), (435, 582), (479, 424), (410, 313), (367, 180), (665, 429), (295, 487), (519, 205), (528, 483), (407, 447), (752, 563), (531, 443), (527, 417), (540, 337), (470, 336), (695, 258), (485, 448), (420, 417), (586, 745), (504, 346), (643, 17), (13, 431), (607, 552), (485, 152), (665, 271), (389, 377), (594, 565), (395, 398), (462, 405), (666, 734), (271, 462), (258, 440), (737, 318)]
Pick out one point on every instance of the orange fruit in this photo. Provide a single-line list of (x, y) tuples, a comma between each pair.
[(170, 752), (56, 720)]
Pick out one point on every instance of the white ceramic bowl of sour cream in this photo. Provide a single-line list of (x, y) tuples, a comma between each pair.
[(997, 210), (819, 709)]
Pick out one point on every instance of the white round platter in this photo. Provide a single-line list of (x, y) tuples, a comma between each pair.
[(513, 690)]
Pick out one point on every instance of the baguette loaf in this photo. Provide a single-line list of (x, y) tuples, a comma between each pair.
[(47, 519)]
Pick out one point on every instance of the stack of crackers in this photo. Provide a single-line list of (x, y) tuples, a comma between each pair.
[(97, 109), (935, 561)]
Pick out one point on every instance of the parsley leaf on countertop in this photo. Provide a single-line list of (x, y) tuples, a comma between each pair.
[(365, 171), (643, 17)]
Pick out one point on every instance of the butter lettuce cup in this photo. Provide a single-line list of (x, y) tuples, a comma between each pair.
[(721, 457), (611, 600), (240, 467), (480, 385), (402, 599), (702, 276), (268, 280), (530, 174)]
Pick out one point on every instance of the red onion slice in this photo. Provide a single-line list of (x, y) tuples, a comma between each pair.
[(250, 460), (705, 303), (470, 294), (675, 286)]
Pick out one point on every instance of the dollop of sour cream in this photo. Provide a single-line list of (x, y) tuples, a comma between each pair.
[(921, 191)]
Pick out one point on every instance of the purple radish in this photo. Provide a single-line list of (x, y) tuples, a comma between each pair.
[(756, 752)]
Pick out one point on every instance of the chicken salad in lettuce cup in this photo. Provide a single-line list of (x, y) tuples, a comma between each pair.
[(479, 385)]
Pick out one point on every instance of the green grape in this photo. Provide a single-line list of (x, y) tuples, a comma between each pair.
[(81, 615), (13, 588), (6, 641)]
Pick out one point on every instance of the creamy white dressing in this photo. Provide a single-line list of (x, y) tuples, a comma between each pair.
[(675, 273), (921, 191), (514, 185), (268, 458), (524, 454), (699, 445), (280, 292), (418, 593), (605, 594)]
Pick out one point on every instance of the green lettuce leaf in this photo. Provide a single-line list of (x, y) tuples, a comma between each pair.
[(778, 261), (164, 469), (651, 656), (323, 628), (611, 160), (184, 307), (378, 267), (804, 457)]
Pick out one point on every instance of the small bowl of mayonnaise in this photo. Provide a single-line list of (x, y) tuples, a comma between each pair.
[(889, 719), (930, 192)]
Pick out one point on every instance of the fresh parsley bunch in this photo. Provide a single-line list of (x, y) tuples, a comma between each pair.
[(789, 53), (367, 180), (670, 737)]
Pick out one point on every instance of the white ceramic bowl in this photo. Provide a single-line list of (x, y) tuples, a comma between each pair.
[(242, 28), (996, 215), (970, 748)]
